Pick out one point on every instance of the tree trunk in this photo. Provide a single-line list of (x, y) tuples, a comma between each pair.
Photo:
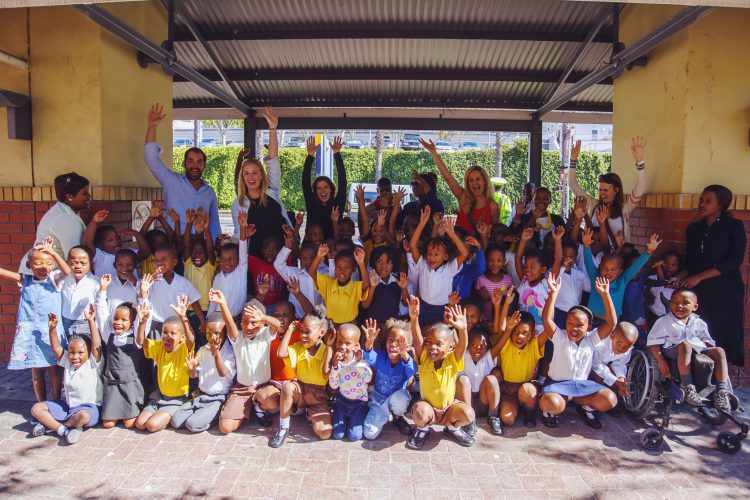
[(378, 155), (499, 142)]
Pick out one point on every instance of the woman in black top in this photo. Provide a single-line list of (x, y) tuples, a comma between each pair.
[(715, 250), (321, 196)]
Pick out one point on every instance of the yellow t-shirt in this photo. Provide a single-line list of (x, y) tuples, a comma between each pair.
[(518, 365), (438, 387), (201, 278), (309, 368), (342, 302), (147, 266), (171, 371)]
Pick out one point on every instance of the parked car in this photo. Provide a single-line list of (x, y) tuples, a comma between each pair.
[(179, 143), (410, 142), (443, 146), (469, 145), (295, 142), (371, 192), (354, 144), (209, 143), (387, 142)]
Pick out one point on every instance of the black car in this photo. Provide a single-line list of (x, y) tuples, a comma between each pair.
[(410, 142)]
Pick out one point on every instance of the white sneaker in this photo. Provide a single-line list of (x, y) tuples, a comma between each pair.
[(72, 435)]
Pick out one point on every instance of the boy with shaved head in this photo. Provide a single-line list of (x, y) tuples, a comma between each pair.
[(612, 355)]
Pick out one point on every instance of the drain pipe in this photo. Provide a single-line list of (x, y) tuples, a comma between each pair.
[(14, 61)]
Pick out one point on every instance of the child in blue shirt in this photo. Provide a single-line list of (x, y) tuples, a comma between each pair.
[(473, 268), (394, 367), (611, 268)]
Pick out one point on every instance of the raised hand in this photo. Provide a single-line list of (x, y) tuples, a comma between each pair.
[(250, 230), (399, 195), (337, 144), (143, 312), (100, 216), (272, 117), (637, 147), (45, 246), (288, 236), (602, 214), (371, 330), (191, 361), (359, 192), (180, 308), (322, 251), (527, 234), (157, 208), (558, 233), (513, 320), (601, 285), (156, 115), (216, 296), (293, 286), (104, 282), (241, 218), (173, 215), (253, 313), (497, 297), (428, 145), (457, 318), (653, 243), (400, 237), (620, 239), (483, 229), (374, 278), (575, 150), (146, 281), (335, 213), (588, 237), (554, 283), (311, 147), (359, 256), (579, 209), (520, 207), (510, 294), (381, 217), (299, 219), (190, 215), (89, 312), (264, 285), (52, 321), (448, 223), (454, 298), (330, 338), (403, 280), (413, 307), (437, 217), (403, 347)]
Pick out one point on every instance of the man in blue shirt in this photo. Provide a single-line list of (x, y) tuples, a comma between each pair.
[(181, 192)]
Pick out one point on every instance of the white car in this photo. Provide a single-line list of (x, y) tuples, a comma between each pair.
[(443, 146), (354, 144), (371, 193), (469, 145)]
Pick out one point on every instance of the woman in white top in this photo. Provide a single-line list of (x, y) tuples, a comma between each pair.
[(611, 196)]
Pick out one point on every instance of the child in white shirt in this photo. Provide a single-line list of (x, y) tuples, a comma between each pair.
[(231, 279), (573, 283), (79, 289), (289, 273), (612, 355)]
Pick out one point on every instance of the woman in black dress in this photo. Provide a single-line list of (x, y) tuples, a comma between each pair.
[(321, 196), (715, 249)]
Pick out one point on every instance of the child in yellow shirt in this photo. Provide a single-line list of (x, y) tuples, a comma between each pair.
[(341, 294)]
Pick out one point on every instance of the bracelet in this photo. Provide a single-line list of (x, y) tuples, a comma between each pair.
[(640, 165)]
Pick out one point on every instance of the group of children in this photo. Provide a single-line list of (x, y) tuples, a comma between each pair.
[(425, 319)]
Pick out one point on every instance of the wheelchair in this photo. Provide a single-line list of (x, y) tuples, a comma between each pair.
[(652, 393)]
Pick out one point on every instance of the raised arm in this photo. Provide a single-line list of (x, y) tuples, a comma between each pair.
[(189, 221), (10, 275), (548, 314), (140, 333), (272, 118), (293, 288), (218, 297), (512, 322), (143, 249), (89, 235), (96, 339), (47, 246), (610, 314), (338, 160), (313, 269), (637, 149), (257, 316), (526, 235), (397, 197), (283, 350), (359, 257), (588, 257), (151, 149), (173, 234), (180, 308), (416, 331), (307, 190), (499, 322), (424, 218), (557, 235), (453, 184), (364, 228), (573, 177), (463, 253), (457, 319), (54, 340)]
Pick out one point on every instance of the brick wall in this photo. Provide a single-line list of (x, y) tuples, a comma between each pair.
[(670, 219), (20, 211)]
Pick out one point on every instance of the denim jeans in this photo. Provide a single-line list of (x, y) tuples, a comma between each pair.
[(348, 417), (380, 409)]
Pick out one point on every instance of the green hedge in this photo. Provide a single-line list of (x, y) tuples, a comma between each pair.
[(398, 164)]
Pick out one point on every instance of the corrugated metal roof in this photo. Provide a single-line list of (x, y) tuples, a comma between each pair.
[(231, 19)]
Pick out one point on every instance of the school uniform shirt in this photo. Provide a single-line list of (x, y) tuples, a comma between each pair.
[(581, 266), (201, 278), (616, 287), (510, 268), (438, 386), (233, 284), (669, 331), (389, 378), (76, 296), (342, 301), (603, 356), (531, 298), (570, 360), (571, 289), (253, 357), (477, 371), (351, 379), (306, 284), (162, 295), (84, 385), (119, 292), (659, 294), (435, 285), (259, 269), (279, 370), (209, 380), (104, 263), (330, 270), (104, 311), (385, 302), (518, 365), (172, 374), (309, 368), (472, 270)]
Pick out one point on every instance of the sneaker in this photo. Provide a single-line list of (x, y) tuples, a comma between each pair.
[(691, 396), (39, 430), (279, 438), (460, 436), (721, 401), (496, 426), (403, 426), (529, 417), (72, 435), (590, 418), (549, 420), (470, 428), (418, 439), (264, 419)]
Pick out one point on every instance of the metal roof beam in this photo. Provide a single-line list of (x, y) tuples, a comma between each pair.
[(677, 23), (394, 74), (312, 123), (379, 31), (111, 23)]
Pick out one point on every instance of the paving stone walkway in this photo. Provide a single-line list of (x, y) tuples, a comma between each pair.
[(572, 461)]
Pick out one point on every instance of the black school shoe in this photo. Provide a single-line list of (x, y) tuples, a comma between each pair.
[(278, 440), (470, 429), (403, 426), (418, 439), (549, 420), (529, 417), (496, 425), (590, 418), (264, 419), (459, 436)]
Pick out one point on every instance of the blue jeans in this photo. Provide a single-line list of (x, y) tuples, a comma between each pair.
[(348, 418), (380, 409)]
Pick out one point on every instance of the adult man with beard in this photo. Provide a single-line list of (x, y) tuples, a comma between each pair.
[(181, 192)]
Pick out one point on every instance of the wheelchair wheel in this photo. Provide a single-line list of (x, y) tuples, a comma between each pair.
[(712, 416), (728, 442), (652, 439), (642, 384)]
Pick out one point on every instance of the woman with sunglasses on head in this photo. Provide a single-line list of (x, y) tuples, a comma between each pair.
[(258, 192)]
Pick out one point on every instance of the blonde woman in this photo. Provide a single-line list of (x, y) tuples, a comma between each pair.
[(475, 198)]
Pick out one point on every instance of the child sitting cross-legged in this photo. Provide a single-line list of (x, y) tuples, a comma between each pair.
[(82, 365), (350, 376), (440, 357), (681, 333), (571, 362), (169, 353), (214, 366), (308, 392), (394, 368)]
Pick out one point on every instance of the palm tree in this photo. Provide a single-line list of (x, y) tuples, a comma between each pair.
[(378, 155), (499, 141)]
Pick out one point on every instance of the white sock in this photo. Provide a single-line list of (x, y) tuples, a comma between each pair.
[(452, 428), (258, 410), (547, 414), (423, 429), (588, 408), (62, 430), (284, 423)]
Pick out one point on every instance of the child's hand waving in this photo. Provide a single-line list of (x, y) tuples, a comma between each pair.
[(191, 361), (513, 320), (558, 233), (359, 256), (588, 237), (413, 307), (100, 216), (146, 282), (454, 298), (602, 285), (322, 251), (293, 286), (371, 330), (216, 296), (424, 216), (143, 312), (554, 283), (52, 321), (104, 282), (527, 234), (180, 308), (653, 243), (403, 281), (457, 318), (253, 313)]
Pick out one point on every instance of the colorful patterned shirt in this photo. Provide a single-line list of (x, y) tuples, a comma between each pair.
[(351, 379)]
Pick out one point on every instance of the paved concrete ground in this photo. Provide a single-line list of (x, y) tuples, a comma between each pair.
[(572, 461)]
